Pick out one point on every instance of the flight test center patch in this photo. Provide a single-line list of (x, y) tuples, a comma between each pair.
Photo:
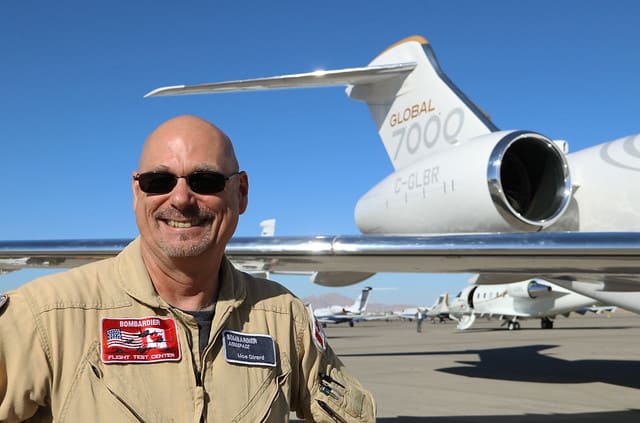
[(139, 340)]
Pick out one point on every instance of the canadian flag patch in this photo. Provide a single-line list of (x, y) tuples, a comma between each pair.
[(317, 334), (139, 340)]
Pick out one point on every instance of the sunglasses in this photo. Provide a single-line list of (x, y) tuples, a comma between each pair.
[(201, 182)]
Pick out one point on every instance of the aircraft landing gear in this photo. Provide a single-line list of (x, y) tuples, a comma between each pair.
[(546, 323), (513, 325), (350, 323)]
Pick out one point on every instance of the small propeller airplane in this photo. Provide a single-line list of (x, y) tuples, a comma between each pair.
[(463, 197)]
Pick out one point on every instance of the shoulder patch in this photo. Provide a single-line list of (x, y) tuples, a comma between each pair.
[(4, 299), (317, 334)]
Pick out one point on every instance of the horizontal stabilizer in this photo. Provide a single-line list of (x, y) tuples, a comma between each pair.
[(320, 78)]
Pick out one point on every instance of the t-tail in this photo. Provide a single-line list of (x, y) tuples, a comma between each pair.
[(422, 112), (360, 304), (418, 111)]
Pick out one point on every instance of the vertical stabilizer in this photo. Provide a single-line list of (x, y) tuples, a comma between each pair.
[(268, 227), (360, 304), (422, 113)]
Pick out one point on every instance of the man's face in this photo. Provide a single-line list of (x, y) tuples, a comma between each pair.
[(183, 223)]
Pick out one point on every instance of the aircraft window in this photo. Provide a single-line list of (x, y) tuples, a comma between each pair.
[(459, 294)]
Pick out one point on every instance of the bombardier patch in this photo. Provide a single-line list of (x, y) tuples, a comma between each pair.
[(139, 340), (249, 348), (317, 334)]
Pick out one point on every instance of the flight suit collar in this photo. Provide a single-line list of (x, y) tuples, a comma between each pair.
[(232, 293), (134, 279), (232, 285)]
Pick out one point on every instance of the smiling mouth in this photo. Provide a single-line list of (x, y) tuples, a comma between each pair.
[(183, 224)]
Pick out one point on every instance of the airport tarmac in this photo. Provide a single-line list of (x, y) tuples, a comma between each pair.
[(586, 369)]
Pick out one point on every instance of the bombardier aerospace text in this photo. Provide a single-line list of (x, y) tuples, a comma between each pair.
[(464, 196)]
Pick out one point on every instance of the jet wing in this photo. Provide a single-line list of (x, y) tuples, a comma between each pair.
[(609, 257), (568, 255)]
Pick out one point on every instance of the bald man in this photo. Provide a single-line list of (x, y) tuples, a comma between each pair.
[(169, 330)]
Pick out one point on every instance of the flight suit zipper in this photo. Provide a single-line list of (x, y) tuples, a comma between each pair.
[(216, 334), (194, 363), (199, 392)]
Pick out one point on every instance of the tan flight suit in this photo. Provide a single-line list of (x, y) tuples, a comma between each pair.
[(52, 365)]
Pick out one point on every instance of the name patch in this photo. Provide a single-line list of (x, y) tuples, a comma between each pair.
[(139, 340), (249, 348)]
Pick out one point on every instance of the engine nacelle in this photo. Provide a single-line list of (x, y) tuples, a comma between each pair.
[(463, 302), (338, 309), (504, 181), (528, 289), (608, 199)]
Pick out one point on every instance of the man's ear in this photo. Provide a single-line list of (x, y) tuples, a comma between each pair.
[(243, 186), (135, 190)]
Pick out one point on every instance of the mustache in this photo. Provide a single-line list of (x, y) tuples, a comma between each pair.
[(186, 213)]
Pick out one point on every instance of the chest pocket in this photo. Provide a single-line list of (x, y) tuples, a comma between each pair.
[(91, 398), (249, 394), (119, 393), (269, 404)]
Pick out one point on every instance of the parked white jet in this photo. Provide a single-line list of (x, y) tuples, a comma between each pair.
[(409, 313), (464, 196), (342, 314), (530, 299), (438, 311)]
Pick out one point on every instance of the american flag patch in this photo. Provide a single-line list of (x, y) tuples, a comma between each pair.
[(118, 338)]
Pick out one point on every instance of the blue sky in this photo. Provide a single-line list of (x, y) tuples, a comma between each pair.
[(73, 117)]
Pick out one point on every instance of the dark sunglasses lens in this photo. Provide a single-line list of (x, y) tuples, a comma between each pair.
[(206, 182), (156, 183)]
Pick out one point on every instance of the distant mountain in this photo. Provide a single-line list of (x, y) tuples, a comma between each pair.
[(326, 300)]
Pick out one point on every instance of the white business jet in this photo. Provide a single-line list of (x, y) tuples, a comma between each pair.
[(510, 303), (464, 196), (345, 314)]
